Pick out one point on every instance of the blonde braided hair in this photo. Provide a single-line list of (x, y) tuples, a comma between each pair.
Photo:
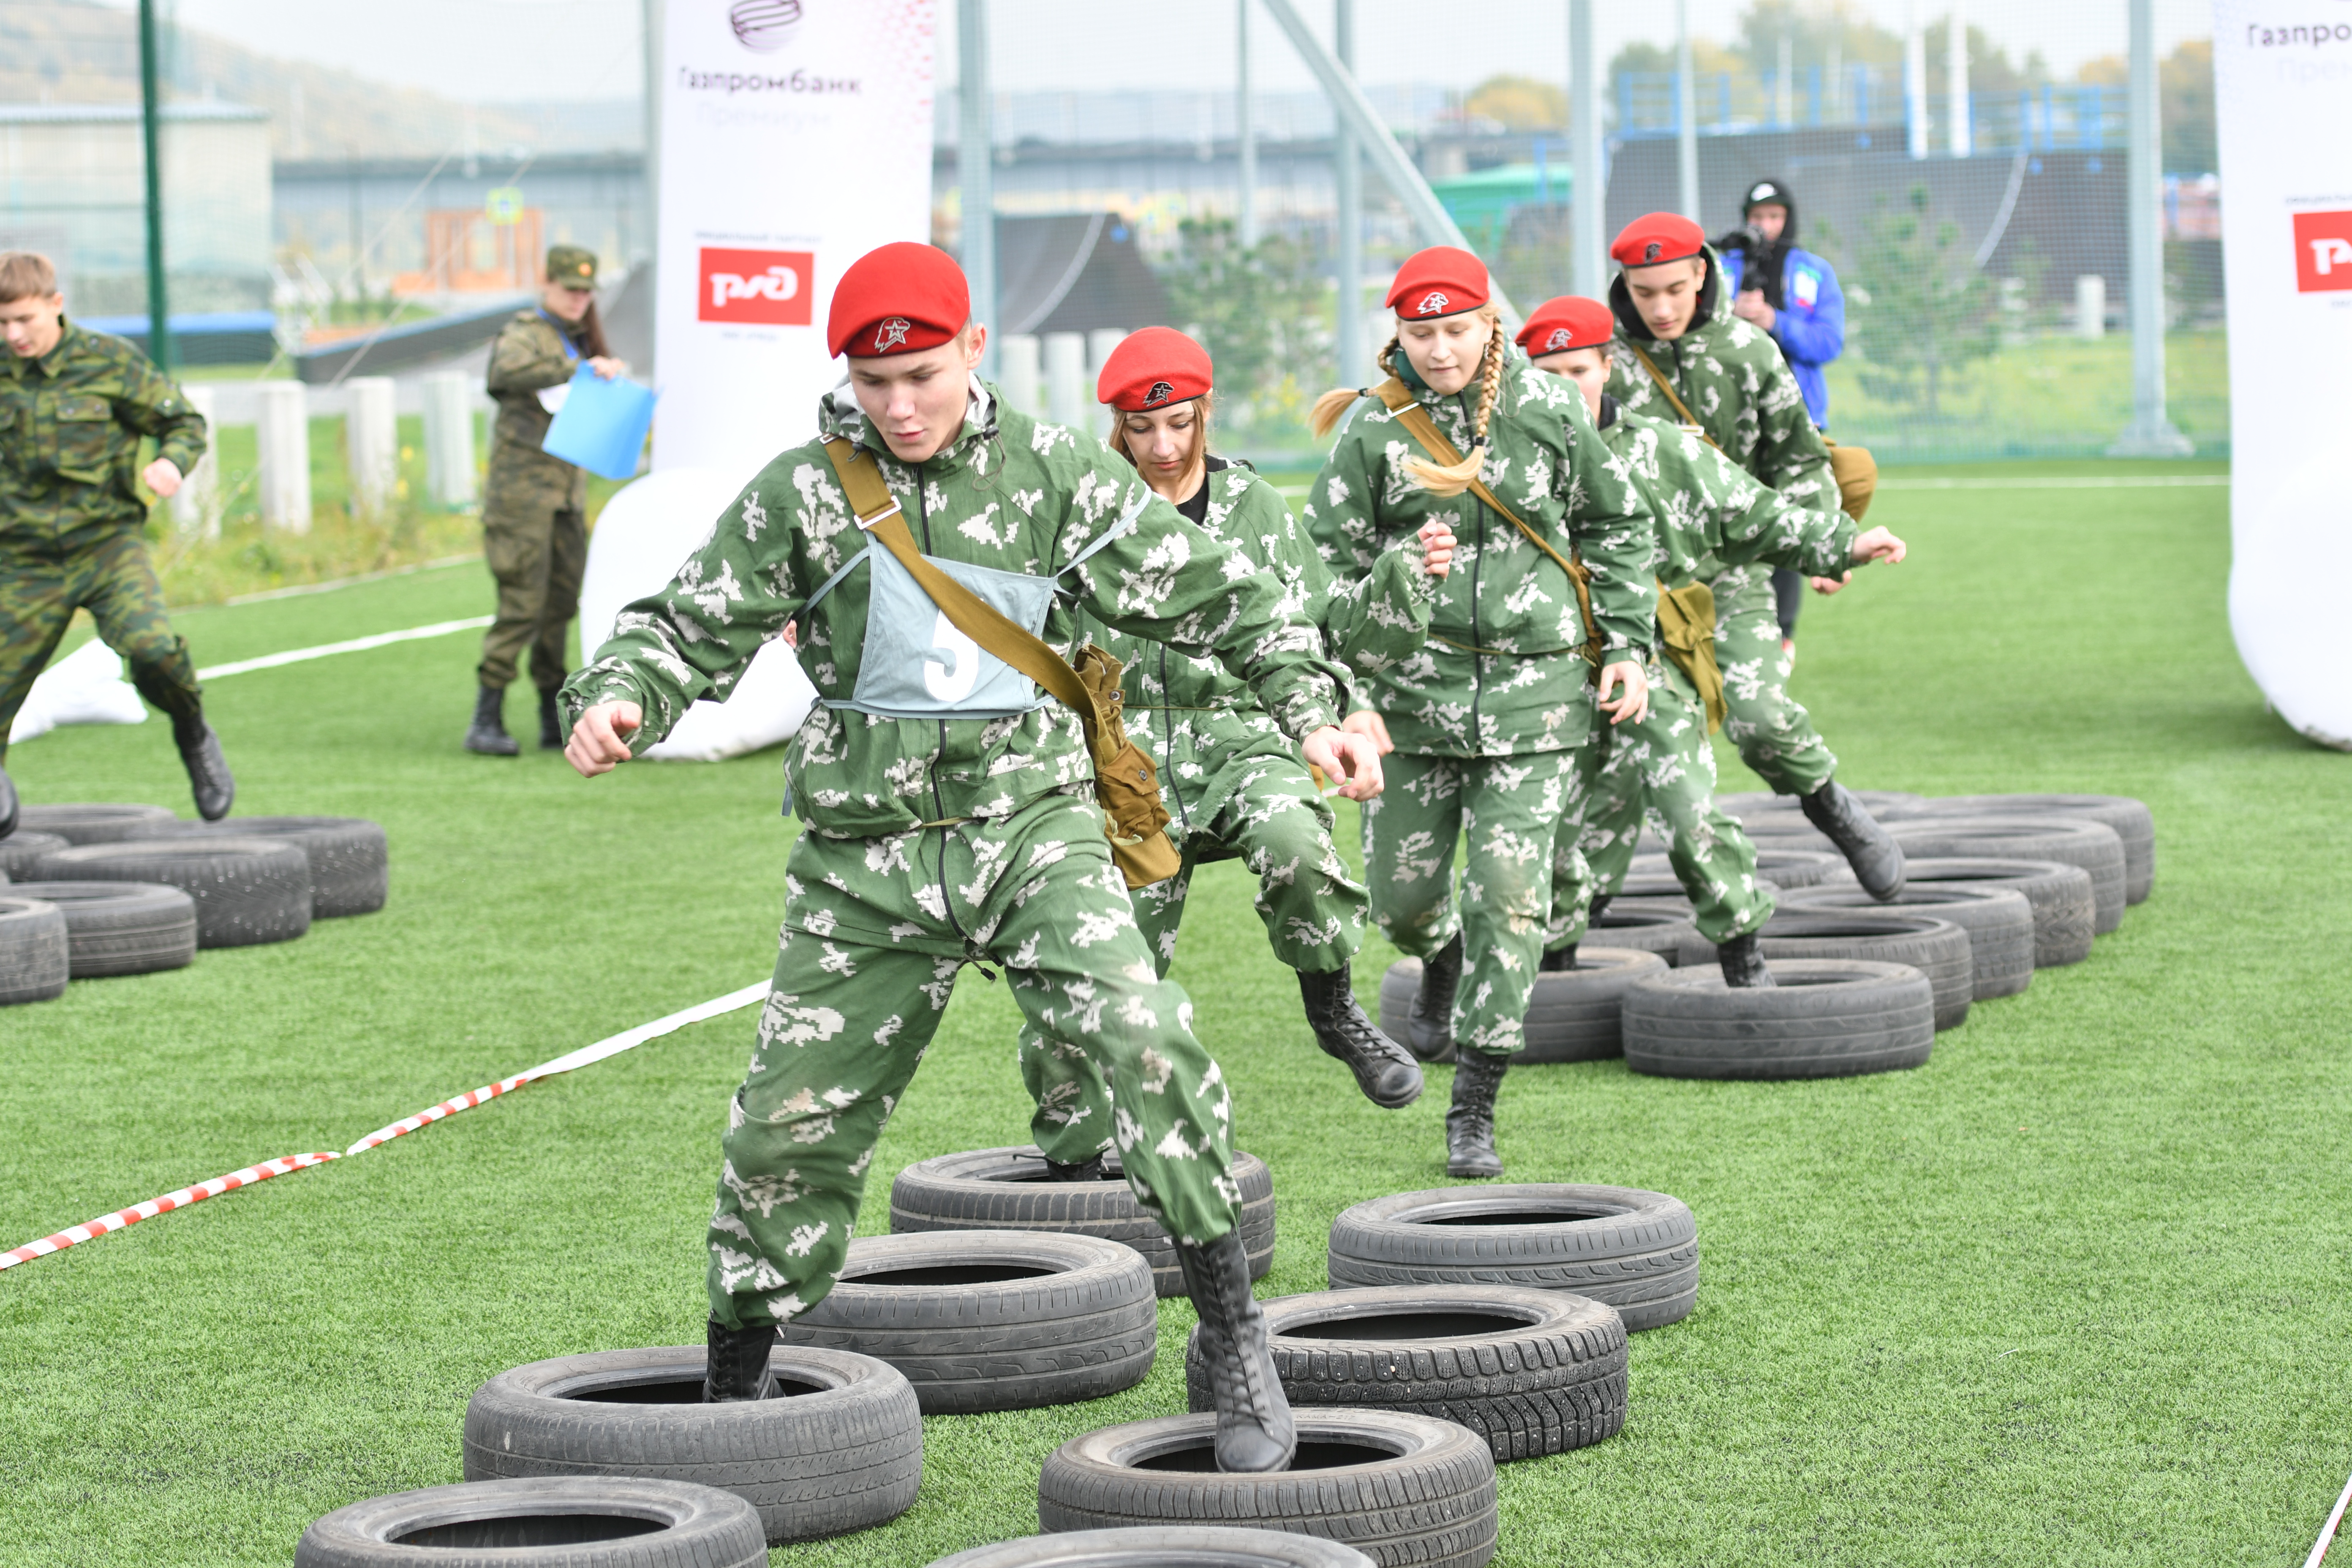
[(1444, 481)]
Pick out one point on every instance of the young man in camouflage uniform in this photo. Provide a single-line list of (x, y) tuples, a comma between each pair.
[(74, 405), (1487, 717), (1675, 325), (949, 813), (1710, 516), (534, 506), (1232, 782)]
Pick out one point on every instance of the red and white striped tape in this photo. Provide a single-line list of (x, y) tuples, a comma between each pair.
[(409, 1124), (107, 1224)]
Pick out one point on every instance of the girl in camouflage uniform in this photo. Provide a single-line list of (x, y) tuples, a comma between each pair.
[(1487, 717)]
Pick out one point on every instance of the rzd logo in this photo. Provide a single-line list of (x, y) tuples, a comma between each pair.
[(2323, 252), (762, 287)]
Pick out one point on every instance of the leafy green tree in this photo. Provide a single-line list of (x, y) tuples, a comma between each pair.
[(1264, 312), (1919, 311)]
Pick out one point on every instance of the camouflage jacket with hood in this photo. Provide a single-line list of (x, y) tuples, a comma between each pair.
[(1500, 674), (1008, 492)]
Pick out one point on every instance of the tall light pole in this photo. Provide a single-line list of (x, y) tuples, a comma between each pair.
[(976, 170), (2151, 433), (1685, 116), (1589, 255), (1347, 176), (151, 121)]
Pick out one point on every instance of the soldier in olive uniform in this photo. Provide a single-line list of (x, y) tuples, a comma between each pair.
[(74, 405), (534, 512)]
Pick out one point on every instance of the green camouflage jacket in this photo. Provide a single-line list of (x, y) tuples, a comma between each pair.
[(532, 354), (1009, 492), (71, 423), (1711, 515), (1190, 712), (1730, 374), (1499, 674)]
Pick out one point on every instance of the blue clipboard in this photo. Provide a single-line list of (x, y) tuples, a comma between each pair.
[(601, 424)]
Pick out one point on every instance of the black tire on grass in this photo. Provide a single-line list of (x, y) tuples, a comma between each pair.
[(1936, 947), (1652, 929), (2074, 840), (2060, 895), (841, 1449), (24, 850), (1007, 1189), (992, 1320), (121, 928), (248, 890), (1748, 805), (1999, 921), (1401, 1489), (1635, 1250), (1163, 1546), (1532, 1372), (2131, 819), (349, 872), (1785, 869), (610, 1522), (1572, 1014), (1822, 1018), (94, 822), (34, 966)]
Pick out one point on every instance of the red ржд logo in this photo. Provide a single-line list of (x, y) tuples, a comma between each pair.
[(759, 288), (2323, 252)]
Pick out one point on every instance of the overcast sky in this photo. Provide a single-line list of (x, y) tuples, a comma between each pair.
[(509, 49)]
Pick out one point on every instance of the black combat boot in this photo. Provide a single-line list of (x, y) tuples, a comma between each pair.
[(488, 734), (1254, 1431), (737, 1368), (1092, 1168), (1385, 1070), (551, 723), (1558, 959), (1599, 908), (1742, 958), (209, 779), (1429, 1030), (1869, 849), (1470, 1123), (7, 804)]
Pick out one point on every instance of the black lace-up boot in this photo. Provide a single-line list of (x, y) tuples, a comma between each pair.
[(1092, 1168), (1869, 849), (1558, 959), (1742, 959), (209, 780), (488, 734), (737, 1368), (1429, 1030), (1470, 1123), (1255, 1430), (1385, 1070)]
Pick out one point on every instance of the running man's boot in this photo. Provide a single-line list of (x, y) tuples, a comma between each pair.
[(551, 723), (488, 734), (1470, 1124), (1429, 1030), (1869, 849), (1385, 1070), (737, 1368), (1743, 964), (1255, 1430), (1092, 1168), (1558, 959), (209, 780)]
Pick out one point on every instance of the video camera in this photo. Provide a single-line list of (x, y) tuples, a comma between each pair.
[(1751, 246)]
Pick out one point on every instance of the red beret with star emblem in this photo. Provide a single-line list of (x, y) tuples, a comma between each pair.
[(1570, 322), (898, 299), (1657, 237), (1440, 281), (1157, 367)]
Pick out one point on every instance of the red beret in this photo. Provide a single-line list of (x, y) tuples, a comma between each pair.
[(1658, 237), (1567, 323), (1154, 368), (900, 299), (1439, 281)]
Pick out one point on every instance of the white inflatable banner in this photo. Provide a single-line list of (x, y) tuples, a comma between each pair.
[(795, 136), (2283, 85)]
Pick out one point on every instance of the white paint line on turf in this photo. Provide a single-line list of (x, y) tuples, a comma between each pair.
[(356, 645), (2319, 1547)]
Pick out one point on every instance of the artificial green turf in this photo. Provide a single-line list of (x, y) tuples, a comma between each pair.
[(2071, 1293)]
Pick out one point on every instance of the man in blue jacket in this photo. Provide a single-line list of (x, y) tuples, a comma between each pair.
[(1792, 294)]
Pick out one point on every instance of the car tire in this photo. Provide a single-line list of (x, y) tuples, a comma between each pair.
[(841, 1449), (248, 890), (1007, 1189), (1637, 1251), (1572, 1014), (1163, 1546), (1748, 805), (1825, 1017), (2074, 840), (2131, 819), (2060, 895), (1531, 1371), (608, 1522), (1782, 870), (34, 962), (121, 928), (349, 865), (1936, 947), (1999, 921), (1401, 1489), (22, 850), (94, 822), (992, 1320)]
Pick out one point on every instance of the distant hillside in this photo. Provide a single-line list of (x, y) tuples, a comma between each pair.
[(73, 51)]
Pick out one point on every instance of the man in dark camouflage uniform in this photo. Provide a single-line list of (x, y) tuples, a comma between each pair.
[(74, 405), (534, 511)]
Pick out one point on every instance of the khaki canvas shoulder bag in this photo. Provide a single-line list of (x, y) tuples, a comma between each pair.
[(1127, 784)]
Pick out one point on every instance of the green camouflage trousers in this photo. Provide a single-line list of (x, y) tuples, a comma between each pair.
[(1774, 733), (537, 555), (874, 930), (1664, 762), (115, 581), (1276, 822), (1508, 811)]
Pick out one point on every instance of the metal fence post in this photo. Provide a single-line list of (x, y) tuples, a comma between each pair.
[(1590, 257), (1686, 117), (1347, 178), (1245, 130), (2151, 433), (976, 170), (151, 116)]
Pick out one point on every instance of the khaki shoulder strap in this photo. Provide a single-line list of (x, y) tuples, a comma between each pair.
[(1406, 409), (1667, 387)]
